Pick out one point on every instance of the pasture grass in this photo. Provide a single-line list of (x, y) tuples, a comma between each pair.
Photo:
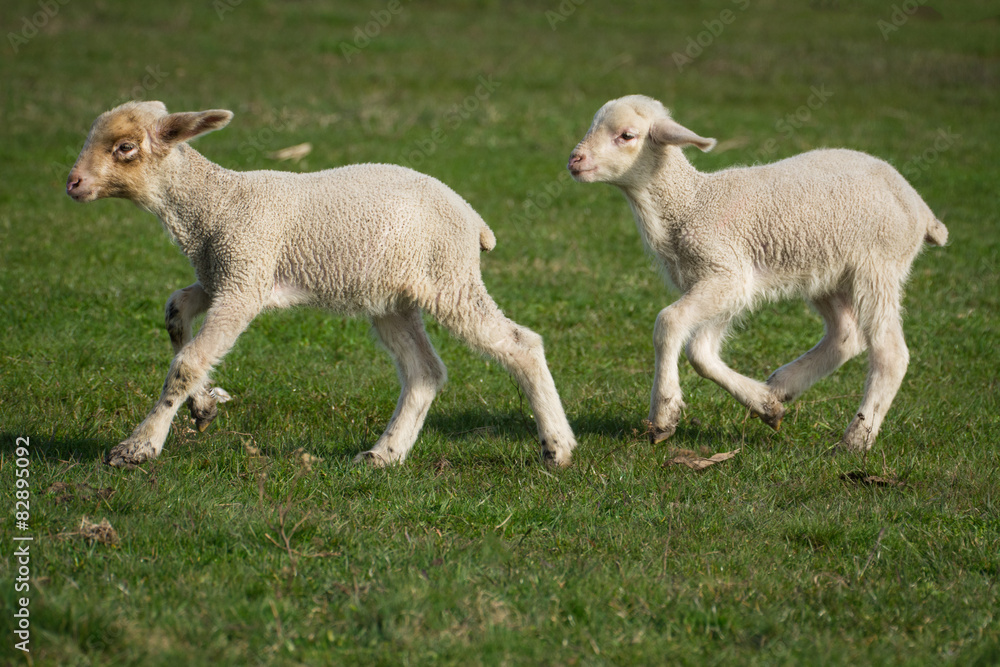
[(237, 547)]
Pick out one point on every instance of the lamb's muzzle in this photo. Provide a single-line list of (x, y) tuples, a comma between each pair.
[(578, 164), (73, 186)]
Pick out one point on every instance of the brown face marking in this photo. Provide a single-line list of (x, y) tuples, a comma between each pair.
[(107, 171)]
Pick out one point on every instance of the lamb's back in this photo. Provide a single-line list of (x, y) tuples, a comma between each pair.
[(355, 235), (820, 210)]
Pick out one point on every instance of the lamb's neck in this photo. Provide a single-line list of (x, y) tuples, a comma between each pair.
[(192, 197), (663, 201)]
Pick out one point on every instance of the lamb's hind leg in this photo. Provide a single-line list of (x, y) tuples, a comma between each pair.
[(421, 375), (888, 358), (182, 307), (841, 342), (473, 316)]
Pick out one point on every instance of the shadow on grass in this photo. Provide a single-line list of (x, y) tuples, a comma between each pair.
[(501, 439), (62, 448), (511, 437), (498, 438), (474, 425), (483, 438), (515, 425)]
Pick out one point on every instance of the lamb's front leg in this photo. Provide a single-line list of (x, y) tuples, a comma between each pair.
[(188, 372), (669, 333), (703, 352), (707, 305), (182, 307)]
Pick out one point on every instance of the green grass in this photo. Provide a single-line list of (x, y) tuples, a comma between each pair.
[(472, 552)]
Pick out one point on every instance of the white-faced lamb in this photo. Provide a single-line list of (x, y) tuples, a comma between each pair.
[(376, 240), (839, 227)]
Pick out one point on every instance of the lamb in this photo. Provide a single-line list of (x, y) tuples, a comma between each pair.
[(838, 227), (370, 239)]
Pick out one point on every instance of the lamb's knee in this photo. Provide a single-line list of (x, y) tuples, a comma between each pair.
[(889, 351), (525, 338), (661, 327), (844, 342), (438, 374), (429, 375), (507, 339), (525, 347), (852, 342), (700, 356), (892, 362), (176, 330), (184, 377), (671, 329), (181, 308), (174, 317), (177, 304)]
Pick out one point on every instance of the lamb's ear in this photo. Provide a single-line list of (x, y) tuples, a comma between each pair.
[(668, 132), (187, 125)]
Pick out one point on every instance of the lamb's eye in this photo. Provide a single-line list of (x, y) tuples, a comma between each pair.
[(627, 136), (126, 148)]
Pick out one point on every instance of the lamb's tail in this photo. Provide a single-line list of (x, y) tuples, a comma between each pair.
[(937, 233), (487, 241)]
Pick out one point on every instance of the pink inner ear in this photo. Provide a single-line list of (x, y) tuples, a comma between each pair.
[(167, 131), (182, 126), (170, 131)]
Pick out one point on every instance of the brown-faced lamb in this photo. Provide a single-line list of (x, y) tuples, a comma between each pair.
[(839, 227), (376, 240)]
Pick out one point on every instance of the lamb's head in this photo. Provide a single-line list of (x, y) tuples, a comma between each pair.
[(628, 142), (127, 144)]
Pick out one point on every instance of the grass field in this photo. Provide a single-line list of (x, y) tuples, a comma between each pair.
[(235, 548)]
